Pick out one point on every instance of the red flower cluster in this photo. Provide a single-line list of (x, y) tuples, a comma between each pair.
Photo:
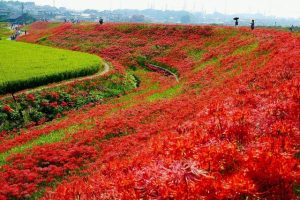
[(28, 172), (7, 109), (30, 97)]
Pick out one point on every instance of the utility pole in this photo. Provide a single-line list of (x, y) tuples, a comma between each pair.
[(194, 7), (184, 5), (22, 8), (226, 7), (120, 4), (166, 6), (152, 4)]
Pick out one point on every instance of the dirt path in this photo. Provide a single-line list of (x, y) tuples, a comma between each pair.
[(57, 84), (106, 69)]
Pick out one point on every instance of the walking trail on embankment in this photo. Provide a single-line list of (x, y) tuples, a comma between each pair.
[(61, 83)]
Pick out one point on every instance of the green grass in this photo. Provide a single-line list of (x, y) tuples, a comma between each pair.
[(5, 32), (167, 94), (203, 65), (196, 54), (51, 138), (246, 49), (25, 65), (130, 100)]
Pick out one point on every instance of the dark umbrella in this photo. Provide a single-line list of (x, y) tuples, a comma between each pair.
[(236, 19)]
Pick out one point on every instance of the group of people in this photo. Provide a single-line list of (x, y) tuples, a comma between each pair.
[(17, 33), (252, 24), (16, 28), (293, 28), (101, 21), (13, 36), (73, 21), (77, 21)]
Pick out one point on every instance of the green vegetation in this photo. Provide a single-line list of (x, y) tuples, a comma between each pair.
[(167, 94), (196, 54), (129, 82), (51, 138), (149, 86), (48, 104), (143, 61), (5, 32), (203, 65), (25, 66), (246, 49), (113, 135)]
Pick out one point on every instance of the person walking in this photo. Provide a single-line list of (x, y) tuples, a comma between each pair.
[(252, 24), (236, 19), (101, 21)]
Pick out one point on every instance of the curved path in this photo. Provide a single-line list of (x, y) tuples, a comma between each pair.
[(106, 70), (166, 70), (61, 83)]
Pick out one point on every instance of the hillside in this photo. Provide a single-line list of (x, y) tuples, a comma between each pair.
[(229, 128), (4, 31)]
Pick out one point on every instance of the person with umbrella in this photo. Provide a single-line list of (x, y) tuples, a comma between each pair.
[(236, 19)]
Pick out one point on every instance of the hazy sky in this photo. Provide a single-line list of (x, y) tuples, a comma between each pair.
[(280, 8)]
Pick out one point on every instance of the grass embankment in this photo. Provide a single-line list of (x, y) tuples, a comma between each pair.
[(25, 66), (149, 86), (219, 92), (5, 32)]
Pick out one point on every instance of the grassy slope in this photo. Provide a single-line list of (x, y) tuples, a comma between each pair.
[(4, 31), (35, 64), (149, 89), (153, 90)]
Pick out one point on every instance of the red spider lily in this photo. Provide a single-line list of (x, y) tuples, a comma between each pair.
[(232, 133), (30, 97), (7, 109), (53, 104)]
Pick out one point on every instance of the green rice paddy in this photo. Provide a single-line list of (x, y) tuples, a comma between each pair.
[(25, 65)]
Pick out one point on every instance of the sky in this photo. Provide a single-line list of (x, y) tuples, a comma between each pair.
[(279, 8)]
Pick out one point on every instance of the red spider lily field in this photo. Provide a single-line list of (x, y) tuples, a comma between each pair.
[(185, 112)]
